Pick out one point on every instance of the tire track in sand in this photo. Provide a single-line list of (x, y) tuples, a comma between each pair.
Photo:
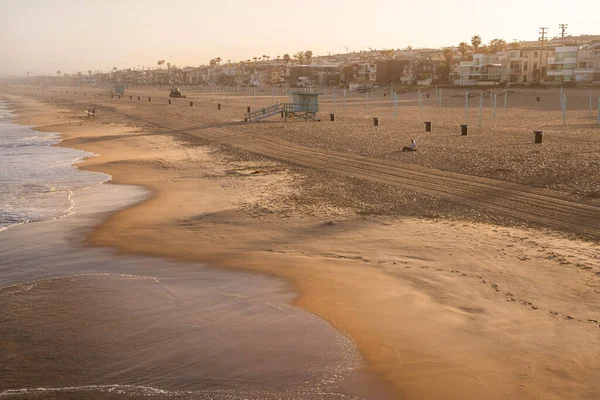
[(521, 202)]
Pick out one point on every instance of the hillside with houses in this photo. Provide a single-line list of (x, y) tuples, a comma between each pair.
[(559, 61)]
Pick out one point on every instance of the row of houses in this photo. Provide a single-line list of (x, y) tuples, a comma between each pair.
[(578, 62), (548, 65)]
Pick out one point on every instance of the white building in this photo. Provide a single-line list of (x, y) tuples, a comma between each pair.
[(588, 64), (561, 67), (485, 69)]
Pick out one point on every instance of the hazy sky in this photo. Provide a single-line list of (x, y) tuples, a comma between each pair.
[(42, 36)]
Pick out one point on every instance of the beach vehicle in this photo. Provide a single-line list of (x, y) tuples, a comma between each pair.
[(176, 93)]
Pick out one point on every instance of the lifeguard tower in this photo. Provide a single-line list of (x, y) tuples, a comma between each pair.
[(303, 105), (119, 89)]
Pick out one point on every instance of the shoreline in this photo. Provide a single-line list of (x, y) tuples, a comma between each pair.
[(432, 314), (90, 211)]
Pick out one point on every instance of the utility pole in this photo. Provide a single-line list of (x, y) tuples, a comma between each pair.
[(543, 32), (563, 30)]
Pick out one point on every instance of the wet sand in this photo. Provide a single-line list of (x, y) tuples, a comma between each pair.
[(78, 321), (439, 308)]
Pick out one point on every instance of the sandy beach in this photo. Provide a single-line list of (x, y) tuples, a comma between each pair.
[(467, 270)]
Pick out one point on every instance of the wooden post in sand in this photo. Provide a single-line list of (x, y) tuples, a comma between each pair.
[(467, 107), (590, 103), (334, 101), (561, 98), (191, 103), (505, 98), (480, 109), (495, 102), (564, 109), (344, 99)]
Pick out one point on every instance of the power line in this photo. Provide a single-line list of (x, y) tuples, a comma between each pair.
[(543, 32), (563, 30)]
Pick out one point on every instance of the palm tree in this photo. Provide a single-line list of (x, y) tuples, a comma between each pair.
[(463, 48), (475, 42), (115, 69), (448, 56), (300, 57), (58, 72), (286, 57), (308, 56), (497, 45)]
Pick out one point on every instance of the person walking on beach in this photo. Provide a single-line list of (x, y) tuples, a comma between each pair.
[(411, 147)]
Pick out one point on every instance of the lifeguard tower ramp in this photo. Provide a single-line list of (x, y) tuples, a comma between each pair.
[(304, 106)]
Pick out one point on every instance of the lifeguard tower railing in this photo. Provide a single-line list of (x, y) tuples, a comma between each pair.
[(303, 106)]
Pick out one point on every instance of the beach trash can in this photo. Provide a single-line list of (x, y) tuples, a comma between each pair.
[(139, 98), (191, 104), (332, 117), (427, 126), (539, 98), (464, 129), (170, 101), (539, 136), (149, 98), (130, 97), (218, 106), (119, 97), (375, 121), (248, 109)]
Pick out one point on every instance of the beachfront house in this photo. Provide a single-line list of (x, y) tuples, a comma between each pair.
[(484, 69), (588, 64), (367, 71), (561, 67)]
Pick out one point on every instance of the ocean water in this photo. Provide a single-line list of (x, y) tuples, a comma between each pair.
[(37, 180)]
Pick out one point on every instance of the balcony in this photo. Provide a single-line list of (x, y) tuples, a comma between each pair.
[(563, 72), (561, 60), (586, 70)]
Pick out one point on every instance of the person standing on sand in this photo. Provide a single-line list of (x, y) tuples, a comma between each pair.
[(411, 147)]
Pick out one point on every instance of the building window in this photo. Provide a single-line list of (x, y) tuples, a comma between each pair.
[(525, 66), (535, 54)]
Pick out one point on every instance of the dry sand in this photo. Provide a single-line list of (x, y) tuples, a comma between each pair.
[(442, 309)]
